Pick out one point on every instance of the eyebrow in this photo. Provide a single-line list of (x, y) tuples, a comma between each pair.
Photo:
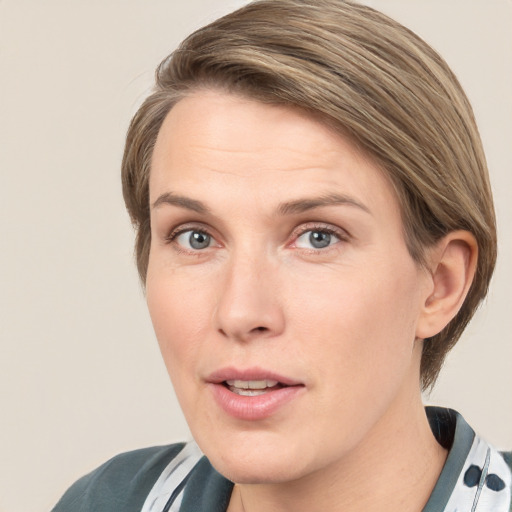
[(288, 208), (306, 204), (182, 202)]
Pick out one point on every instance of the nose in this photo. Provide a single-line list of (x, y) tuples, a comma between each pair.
[(249, 303)]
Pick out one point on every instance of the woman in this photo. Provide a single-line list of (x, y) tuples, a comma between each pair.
[(315, 228)]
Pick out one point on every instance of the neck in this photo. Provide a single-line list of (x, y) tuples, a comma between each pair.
[(395, 468)]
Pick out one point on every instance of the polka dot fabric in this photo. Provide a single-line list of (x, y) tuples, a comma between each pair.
[(484, 484)]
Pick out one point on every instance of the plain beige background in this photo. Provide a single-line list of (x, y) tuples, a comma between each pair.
[(80, 373)]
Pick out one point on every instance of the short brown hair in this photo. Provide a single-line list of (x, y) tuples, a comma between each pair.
[(368, 77)]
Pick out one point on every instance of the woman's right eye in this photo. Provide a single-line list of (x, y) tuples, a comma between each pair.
[(193, 240)]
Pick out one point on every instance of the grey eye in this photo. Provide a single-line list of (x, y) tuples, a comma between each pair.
[(319, 239), (196, 240), (316, 239)]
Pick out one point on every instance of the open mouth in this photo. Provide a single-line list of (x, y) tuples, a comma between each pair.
[(252, 387), (252, 394)]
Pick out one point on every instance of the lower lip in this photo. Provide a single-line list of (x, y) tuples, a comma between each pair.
[(253, 408)]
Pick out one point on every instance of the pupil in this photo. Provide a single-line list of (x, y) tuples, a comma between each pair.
[(199, 240), (319, 239)]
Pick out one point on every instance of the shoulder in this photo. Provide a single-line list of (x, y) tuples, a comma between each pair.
[(122, 483)]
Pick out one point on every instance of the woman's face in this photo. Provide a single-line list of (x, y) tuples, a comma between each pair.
[(282, 294)]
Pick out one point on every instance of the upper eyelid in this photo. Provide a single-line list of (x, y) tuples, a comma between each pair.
[(183, 228), (320, 226)]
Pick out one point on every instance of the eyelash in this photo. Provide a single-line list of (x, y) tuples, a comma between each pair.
[(342, 235), (175, 233)]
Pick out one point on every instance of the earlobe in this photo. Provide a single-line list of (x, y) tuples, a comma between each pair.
[(452, 268)]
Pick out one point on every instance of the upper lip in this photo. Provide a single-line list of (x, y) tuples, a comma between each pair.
[(247, 374)]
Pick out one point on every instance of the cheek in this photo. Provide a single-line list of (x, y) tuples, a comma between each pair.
[(357, 301), (363, 321), (180, 311)]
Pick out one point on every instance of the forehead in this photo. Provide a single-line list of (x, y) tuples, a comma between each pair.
[(217, 142)]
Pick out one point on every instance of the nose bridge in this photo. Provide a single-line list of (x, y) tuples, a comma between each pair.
[(248, 302)]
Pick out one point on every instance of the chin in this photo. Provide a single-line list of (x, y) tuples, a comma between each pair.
[(260, 460), (257, 471)]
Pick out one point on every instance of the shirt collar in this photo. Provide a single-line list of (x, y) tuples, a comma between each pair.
[(474, 474)]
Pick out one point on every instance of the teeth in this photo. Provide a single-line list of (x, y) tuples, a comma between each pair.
[(251, 387), (247, 392), (251, 384)]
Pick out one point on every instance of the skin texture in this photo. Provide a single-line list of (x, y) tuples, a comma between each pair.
[(346, 321)]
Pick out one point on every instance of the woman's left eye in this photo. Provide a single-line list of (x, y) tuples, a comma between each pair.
[(316, 239)]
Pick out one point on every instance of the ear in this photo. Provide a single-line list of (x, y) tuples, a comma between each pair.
[(452, 265)]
